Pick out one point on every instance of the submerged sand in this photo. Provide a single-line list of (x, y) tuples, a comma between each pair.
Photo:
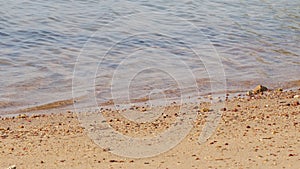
[(259, 131)]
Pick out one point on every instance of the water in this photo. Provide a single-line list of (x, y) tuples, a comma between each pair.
[(135, 51)]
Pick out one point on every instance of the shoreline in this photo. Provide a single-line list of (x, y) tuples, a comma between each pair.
[(57, 106), (254, 131)]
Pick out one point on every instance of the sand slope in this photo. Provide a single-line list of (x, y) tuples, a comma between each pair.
[(258, 132)]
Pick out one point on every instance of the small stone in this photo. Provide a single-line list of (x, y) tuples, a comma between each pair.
[(223, 109), (279, 89), (295, 103), (213, 142), (249, 93), (297, 96), (259, 89), (205, 110), (106, 149), (3, 136), (22, 116), (12, 167)]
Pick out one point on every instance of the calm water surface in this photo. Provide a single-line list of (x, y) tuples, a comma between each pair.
[(131, 51)]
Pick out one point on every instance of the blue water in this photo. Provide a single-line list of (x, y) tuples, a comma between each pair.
[(125, 50)]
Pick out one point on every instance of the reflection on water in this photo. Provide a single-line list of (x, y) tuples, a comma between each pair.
[(130, 58)]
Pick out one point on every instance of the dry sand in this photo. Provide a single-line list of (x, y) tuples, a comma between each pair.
[(262, 131)]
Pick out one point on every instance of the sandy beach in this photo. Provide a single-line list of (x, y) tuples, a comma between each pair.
[(257, 131)]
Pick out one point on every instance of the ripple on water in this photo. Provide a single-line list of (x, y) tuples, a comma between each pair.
[(258, 42)]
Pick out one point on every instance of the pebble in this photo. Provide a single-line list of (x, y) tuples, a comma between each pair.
[(106, 149), (279, 90), (205, 110), (12, 167), (22, 116), (297, 96), (223, 109), (295, 103), (249, 93), (259, 89)]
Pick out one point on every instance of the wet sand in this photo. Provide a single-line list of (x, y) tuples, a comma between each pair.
[(258, 131)]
